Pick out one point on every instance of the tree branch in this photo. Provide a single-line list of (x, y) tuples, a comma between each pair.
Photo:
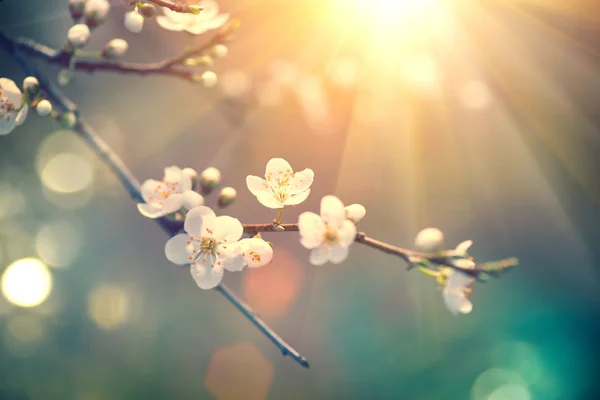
[(131, 184), (171, 66), (177, 7), (410, 257)]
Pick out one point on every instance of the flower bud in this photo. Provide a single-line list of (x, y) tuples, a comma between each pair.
[(96, 12), (68, 120), (147, 10), (219, 51), (208, 78), (78, 35), (43, 108), (31, 86), (430, 240), (114, 49), (210, 178), (355, 212), (226, 196), (64, 77), (76, 9), (192, 199), (192, 174), (134, 21)]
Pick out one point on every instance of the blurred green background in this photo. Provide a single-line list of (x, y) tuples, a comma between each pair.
[(483, 123)]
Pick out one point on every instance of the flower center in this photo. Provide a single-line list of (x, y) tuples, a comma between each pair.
[(254, 256), (205, 249), (330, 235)]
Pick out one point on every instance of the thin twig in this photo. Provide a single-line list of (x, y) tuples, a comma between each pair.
[(132, 186), (171, 66)]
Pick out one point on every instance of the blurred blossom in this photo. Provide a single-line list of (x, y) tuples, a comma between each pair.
[(499, 382), (12, 201), (475, 95), (273, 289), (521, 358), (284, 72), (67, 173), (26, 282), (22, 335), (109, 306), (269, 94), (422, 75), (68, 201), (235, 83), (244, 365), (343, 71), (313, 100), (58, 243)]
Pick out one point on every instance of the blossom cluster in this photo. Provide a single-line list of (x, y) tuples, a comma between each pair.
[(212, 244)]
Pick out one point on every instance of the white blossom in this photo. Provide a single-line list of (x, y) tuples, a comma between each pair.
[(355, 212), (79, 35), (328, 235), (31, 85), (208, 19), (115, 48), (430, 240), (134, 21), (169, 195), (43, 108), (210, 245), (282, 186), (458, 284), (255, 252), (13, 110)]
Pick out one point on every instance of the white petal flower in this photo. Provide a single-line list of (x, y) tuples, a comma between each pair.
[(79, 35), (430, 240), (355, 212), (192, 199), (209, 245), (134, 21), (208, 19), (169, 195), (282, 186), (456, 292), (13, 111), (328, 235), (255, 251)]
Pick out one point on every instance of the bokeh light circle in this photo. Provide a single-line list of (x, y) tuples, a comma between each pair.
[(109, 306), (58, 243), (27, 282), (67, 173)]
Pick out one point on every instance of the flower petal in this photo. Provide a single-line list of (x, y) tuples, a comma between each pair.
[(463, 248), (332, 211), (174, 16), (192, 199), (169, 24), (6, 126), (177, 249), (257, 185), (302, 181), (256, 252), (228, 229), (173, 203), (320, 255), (355, 212), (312, 229), (150, 189), (198, 220), (277, 166), (347, 233), (297, 198), (206, 277), (233, 264), (21, 115), (338, 254), (268, 200), (150, 210)]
